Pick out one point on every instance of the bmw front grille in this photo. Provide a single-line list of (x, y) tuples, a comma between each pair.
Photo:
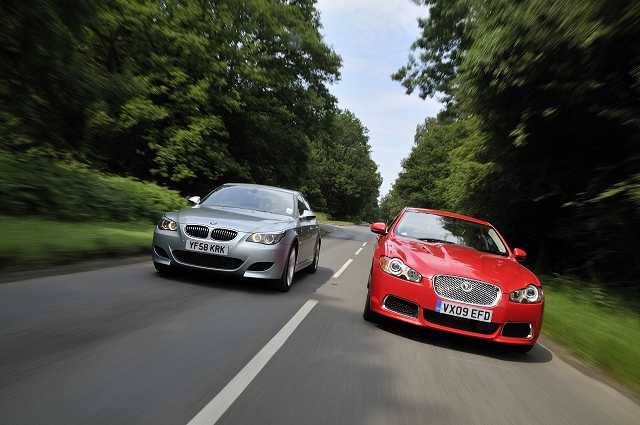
[(197, 231), (202, 232)]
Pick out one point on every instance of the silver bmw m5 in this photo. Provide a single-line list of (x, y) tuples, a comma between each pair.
[(244, 230)]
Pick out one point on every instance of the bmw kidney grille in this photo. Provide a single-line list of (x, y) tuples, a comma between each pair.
[(197, 231), (223, 234), (202, 232)]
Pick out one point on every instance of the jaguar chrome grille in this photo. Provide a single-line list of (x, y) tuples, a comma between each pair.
[(197, 231), (223, 234), (468, 291)]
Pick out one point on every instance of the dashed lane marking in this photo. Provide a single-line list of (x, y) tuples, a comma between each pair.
[(349, 261), (225, 398)]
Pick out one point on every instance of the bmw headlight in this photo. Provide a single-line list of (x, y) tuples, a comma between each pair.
[(396, 267), (266, 238), (167, 224), (532, 294)]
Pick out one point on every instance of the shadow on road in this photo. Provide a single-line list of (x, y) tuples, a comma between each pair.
[(479, 347), (303, 283)]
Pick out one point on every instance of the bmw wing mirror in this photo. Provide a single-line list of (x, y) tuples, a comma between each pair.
[(195, 200), (379, 228), (307, 215)]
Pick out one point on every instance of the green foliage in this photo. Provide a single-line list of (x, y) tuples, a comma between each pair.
[(184, 93), (45, 82), (32, 186), (343, 179), (444, 40), (440, 169), (221, 90), (554, 89)]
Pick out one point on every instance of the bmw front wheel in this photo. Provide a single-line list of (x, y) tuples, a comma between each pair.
[(284, 283)]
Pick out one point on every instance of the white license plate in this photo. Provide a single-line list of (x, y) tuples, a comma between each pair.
[(208, 247), (460, 310)]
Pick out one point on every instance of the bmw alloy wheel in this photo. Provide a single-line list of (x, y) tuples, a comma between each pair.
[(284, 283)]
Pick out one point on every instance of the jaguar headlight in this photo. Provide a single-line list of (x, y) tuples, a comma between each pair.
[(167, 224), (532, 294), (266, 238), (396, 267)]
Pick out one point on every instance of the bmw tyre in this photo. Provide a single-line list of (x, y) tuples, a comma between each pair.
[(313, 267), (284, 283)]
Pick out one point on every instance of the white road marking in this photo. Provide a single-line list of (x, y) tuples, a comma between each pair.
[(343, 267), (358, 251), (364, 244), (225, 398)]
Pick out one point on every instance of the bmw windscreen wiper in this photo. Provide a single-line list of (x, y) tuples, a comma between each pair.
[(435, 240)]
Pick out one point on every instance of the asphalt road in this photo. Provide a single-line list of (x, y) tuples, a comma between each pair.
[(126, 345)]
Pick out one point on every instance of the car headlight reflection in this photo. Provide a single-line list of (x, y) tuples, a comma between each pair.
[(167, 224), (530, 295), (395, 267), (266, 238)]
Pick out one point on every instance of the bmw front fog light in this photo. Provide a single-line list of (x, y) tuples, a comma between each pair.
[(530, 295), (266, 238), (167, 224), (396, 267)]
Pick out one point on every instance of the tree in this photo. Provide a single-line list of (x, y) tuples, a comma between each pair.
[(445, 38), (343, 178), (440, 169), (555, 89), (46, 81), (428, 165), (223, 90), (188, 93)]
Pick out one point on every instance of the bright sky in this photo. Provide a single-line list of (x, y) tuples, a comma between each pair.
[(373, 37)]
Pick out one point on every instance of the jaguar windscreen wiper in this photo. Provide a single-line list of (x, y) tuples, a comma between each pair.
[(435, 240)]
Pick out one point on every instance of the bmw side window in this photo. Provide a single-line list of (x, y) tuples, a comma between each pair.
[(301, 206), (306, 204)]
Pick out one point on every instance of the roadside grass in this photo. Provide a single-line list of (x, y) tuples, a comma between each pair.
[(601, 330), (324, 218), (34, 243)]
